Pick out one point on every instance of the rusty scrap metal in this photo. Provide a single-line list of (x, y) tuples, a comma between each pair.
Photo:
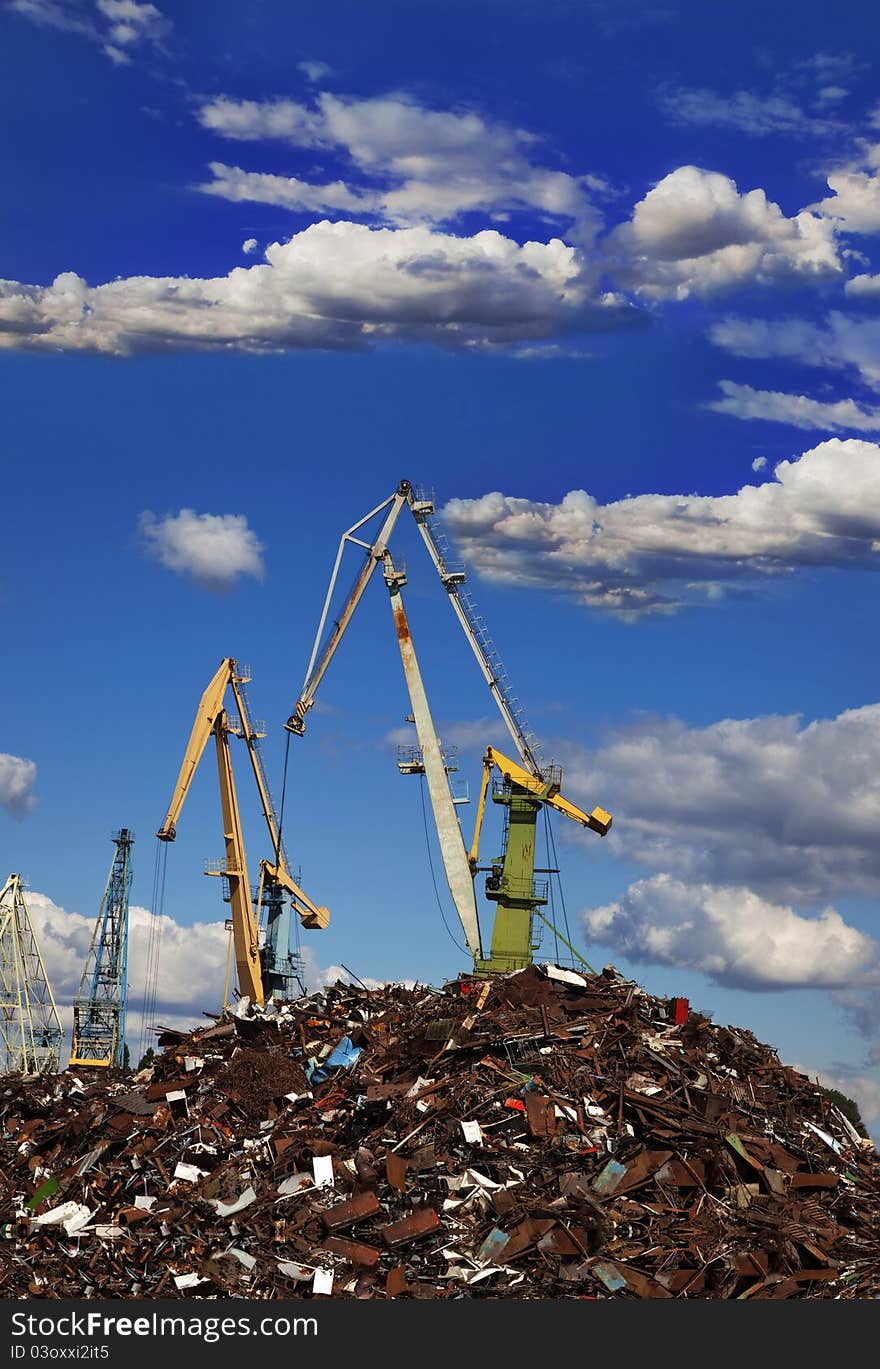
[(526, 1137)]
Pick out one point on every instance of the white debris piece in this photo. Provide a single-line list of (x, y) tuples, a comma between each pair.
[(72, 1216), (228, 1209)]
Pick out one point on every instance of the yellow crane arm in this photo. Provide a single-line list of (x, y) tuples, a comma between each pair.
[(547, 791), (245, 933), (312, 915), (210, 706), (481, 808), (211, 718)]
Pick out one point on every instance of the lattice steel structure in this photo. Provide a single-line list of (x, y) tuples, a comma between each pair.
[(99, 1007), (30, 1028)]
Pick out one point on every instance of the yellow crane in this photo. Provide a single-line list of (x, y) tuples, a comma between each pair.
[(262, 971)]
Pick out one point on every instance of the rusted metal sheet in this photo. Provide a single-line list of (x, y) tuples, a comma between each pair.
[(540, 1115), (422, 1223), (346, 1214), (395, 1170), (355, 1252)]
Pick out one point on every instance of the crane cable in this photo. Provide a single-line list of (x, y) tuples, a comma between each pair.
[(294, 922), (154, 943), (551, 840), (455, 943)]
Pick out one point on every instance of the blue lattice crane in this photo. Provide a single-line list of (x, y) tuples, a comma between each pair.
[(99, 1007)]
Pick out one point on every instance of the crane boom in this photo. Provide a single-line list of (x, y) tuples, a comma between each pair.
[(210, 706), (296, 723), (545, 790), (312, 915), (256, 971), (452, 848), (477, 638)]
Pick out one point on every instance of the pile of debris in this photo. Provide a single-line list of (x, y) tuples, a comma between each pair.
[(544, 1134)]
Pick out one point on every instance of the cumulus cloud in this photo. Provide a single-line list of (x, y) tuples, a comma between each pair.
[(735, 937), (405, 164), (249, 246), (119, 27), (694, 233), (192, 963), (774, 406), (17, 779), (759, 463), (214, 550), (863, 287), (332, 285), (758, 115), (787, 808), (654, 553), (854, 202)]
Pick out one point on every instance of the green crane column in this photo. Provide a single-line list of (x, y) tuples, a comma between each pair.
[(511, 885)]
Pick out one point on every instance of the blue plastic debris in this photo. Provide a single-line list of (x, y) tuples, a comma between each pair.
[(342, 1056)]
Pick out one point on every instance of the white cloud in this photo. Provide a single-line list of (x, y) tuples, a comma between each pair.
[(249, 246), (831, 95), (192, 964), (412, 165), (332, 285), (694, 233), (741, 401), (314, 71), (758, 115), (17, 779), (855, 1083), (464, 734), (842, 342), (259, 187), (788, 809), (734, 936), (854, 203), (652, 553), (863, 286), (759, 463), (214, 550), (117, 26)]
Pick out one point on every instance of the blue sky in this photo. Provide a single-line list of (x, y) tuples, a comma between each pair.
[(605, 277)]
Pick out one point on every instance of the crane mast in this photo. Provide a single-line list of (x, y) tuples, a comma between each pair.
[(30, 1028), (99, 1007)]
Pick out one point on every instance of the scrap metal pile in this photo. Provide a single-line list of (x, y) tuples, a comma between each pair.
[(538, 1135)]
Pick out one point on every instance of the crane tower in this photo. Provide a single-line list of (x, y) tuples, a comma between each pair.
[(99, 1006), (30, 1029)]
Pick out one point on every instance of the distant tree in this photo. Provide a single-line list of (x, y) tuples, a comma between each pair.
[(126, 1057), (848, 1106), (147, 1058)]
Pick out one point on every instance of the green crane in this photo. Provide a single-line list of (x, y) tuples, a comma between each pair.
[(526, 785)]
